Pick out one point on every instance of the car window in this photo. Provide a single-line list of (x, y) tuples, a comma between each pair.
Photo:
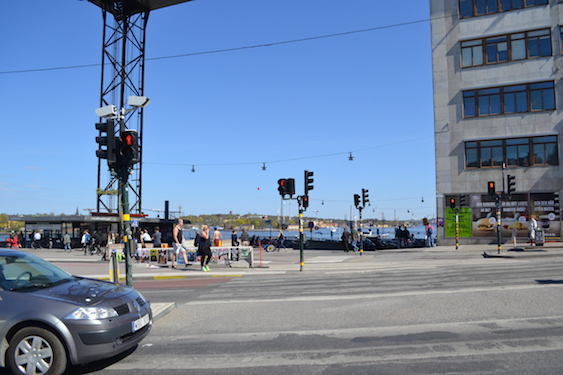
[(21, 272)]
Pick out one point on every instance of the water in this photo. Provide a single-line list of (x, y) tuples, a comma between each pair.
[(317, 234)]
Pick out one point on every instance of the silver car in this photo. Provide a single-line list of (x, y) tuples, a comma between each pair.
[(50, 319)]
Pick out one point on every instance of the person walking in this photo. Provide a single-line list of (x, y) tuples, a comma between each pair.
[(429, 232), (85, 240), (67, 243), (346, 237), (280, 240), (533, 228), (178, 237), (355, 238), (37, 240), (204, 248)]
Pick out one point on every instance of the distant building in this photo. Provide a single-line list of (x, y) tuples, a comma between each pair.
[(498, 100)]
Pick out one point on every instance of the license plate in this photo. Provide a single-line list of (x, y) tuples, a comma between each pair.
[(140, 323)]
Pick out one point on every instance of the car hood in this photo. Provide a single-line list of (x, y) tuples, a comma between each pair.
[(84, 291)]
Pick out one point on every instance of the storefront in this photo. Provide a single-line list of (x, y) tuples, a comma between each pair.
[(478, 221)]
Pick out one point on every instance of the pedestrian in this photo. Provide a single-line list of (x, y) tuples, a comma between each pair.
[(429, 231), (355, 238), (245, 238), (234, 238), (406, 236), (346, 237), (178, 237), (533, 228), (12, 241), (85, 240), (37, 240), (217, 238), (67, 242), (157, 237), (145, 238), (281, 240), (204, 248)]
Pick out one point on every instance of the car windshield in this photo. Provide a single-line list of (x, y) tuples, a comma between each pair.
[(21, 271)]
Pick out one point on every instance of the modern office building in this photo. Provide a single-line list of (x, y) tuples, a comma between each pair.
[(498, 112)]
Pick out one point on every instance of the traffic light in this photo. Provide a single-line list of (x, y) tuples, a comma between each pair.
[(308, 182), (128, 147), (290, 186), (510, 183), (491, 188), (282, 186), (303, 201), (462, 200), (365, 198), (107, 139), (452, 202), (356, 200)]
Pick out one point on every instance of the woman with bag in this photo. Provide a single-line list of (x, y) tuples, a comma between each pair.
[(204, 248)]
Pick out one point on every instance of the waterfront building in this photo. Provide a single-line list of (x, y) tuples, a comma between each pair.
[(498, 100)]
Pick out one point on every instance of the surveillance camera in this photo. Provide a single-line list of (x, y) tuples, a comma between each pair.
[(138, 101), (107, 111)]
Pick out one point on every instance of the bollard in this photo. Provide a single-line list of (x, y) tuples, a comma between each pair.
[(114, 268)]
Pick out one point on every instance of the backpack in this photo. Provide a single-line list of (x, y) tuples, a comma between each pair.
[(196, 240)]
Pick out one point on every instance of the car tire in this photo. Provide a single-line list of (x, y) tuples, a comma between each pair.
[(38, 348)]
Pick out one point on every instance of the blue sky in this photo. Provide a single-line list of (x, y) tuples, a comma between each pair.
[(294, 106)]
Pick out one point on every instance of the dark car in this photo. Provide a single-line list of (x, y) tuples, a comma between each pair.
[(50, 319)]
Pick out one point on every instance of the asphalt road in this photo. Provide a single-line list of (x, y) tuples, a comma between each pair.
[(444, 314)]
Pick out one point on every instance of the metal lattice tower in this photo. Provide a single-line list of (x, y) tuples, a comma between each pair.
[(123, 75)]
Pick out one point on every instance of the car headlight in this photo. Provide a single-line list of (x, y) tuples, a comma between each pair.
[(91, 313)]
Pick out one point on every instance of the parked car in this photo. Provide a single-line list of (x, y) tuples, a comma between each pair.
[(50, 319)]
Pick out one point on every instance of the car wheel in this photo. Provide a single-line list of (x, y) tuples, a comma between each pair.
[(35, 350)]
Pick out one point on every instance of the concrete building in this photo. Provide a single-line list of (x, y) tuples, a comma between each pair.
[(498, 100)]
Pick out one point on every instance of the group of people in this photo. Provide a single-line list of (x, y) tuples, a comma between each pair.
[(351, 238)]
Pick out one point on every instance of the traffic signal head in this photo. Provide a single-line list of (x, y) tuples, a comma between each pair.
[(365, 198), (491, 188), (452, 202), (356, 200), (282, 186), (107, 139), (290, 186), (308, 182), (510, 182), (305, 201), (462, 202), (128, 147)]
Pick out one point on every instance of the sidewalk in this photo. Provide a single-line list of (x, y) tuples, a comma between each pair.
[(284, 261)]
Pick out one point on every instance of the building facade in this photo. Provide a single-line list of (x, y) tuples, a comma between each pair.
[(498, 100)]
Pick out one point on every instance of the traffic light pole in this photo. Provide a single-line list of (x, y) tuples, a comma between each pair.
[(361, 232), (301, 245), (123, 174), (456, 229), (499, 234)]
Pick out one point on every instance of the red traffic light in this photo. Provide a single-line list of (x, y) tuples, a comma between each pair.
[(129, 140)]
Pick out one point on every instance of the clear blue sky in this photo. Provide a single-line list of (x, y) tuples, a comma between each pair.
[(294, 106)]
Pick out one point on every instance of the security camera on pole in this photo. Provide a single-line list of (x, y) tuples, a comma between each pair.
[(122, 153)]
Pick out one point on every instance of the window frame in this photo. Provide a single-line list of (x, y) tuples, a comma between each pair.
[(484, 154), (478, 8)]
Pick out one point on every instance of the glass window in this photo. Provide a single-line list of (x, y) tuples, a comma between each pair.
[(472, 161), (515, 99), (472, 52), (542, 96), (505, 5), (469, 104), (539, 43), (466, 8), (489, 102), (497, 49), (518, 46), (545, 150), (480, 7)]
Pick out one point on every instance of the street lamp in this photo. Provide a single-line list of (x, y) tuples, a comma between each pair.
[(122, 170)]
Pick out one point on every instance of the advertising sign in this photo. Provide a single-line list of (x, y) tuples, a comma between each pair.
[(464, 219)]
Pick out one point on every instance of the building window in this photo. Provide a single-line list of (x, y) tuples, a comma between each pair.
[(510, 99), (514, 152), (503, 48), (472, 8)]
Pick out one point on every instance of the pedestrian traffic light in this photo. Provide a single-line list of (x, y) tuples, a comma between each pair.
[(452, 203), (128, 147), (305, 201), (510, 183), (282, 186), (106, 139), (290, 186), (491, 188), (308, 182), (356, 200), (365, 199), (462, 200)]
